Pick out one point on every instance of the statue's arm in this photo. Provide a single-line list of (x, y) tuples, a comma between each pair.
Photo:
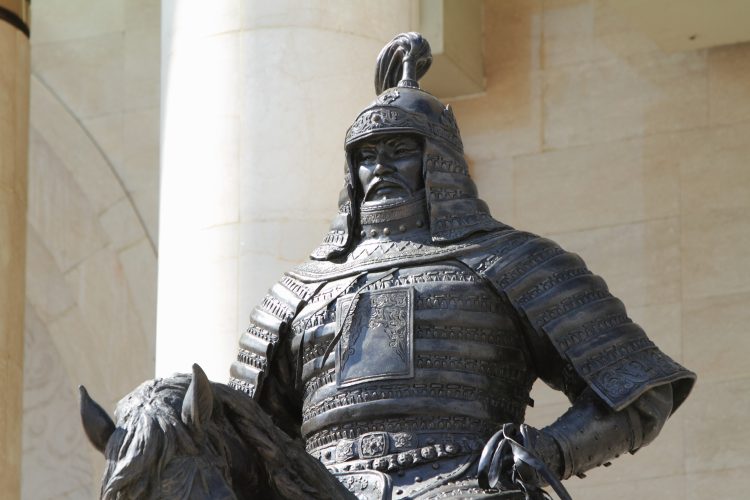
[(280, 397), (263, 368), (591, 433), (582, 342)]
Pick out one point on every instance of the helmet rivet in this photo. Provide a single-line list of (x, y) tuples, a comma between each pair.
[(420, 223), (373, 233), (386, 231), (363, 233), (402, 228)]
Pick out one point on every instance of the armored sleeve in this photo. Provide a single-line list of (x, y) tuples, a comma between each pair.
[(260, 370), (591, 433), (580, 336)]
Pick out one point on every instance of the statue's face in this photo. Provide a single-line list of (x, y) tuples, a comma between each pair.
[(389, 168)]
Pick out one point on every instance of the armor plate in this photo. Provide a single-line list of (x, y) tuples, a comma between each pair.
[(569, 315), (428, 356)]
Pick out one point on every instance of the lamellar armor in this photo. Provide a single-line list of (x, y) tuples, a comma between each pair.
[(417, 329)]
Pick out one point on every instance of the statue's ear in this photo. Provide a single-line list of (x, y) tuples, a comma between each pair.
[(96, 423), (199, 401)]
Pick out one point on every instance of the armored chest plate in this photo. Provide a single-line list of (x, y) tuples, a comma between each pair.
[(377, 340), (425, 352)]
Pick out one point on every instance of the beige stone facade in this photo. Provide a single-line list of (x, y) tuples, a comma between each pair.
[(587, 133), (637, 160), (92, 228), (14, 124)]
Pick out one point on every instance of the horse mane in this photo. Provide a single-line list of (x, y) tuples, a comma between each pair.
[(151, 443)]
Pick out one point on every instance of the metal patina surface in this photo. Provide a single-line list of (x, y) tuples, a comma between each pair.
[(400, 358)]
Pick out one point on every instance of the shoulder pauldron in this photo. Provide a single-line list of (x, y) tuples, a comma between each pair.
[(269, 322), (558, 298)]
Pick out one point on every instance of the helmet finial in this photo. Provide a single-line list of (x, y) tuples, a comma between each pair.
[(402, 62)]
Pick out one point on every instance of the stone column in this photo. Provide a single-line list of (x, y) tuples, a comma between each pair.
[(14, 124), (256, 99)]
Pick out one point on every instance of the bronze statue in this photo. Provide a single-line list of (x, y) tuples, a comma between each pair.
[(402, 355)]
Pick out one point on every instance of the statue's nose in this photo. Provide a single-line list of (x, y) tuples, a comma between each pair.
[(382, 168)]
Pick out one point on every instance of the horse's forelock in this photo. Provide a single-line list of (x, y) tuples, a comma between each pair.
[(149, 435), (132, 458)]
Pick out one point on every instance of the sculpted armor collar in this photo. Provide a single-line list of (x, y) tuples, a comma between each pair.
[(395, 221)]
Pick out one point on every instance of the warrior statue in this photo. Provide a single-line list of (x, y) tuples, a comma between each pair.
[(403, 353)]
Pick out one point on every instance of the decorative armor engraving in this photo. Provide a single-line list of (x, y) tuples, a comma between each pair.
[(262, 334), (459, 301), (392, 312), (252, 359), (590, 329), (550, 283), (276, 307), (440, 194), (439, 163), (507, 396), (386, 350), (484, 335), (392, 214), (504, 279), (568, 304), (444, 227), (365, 485), (373, 445), (314, 320), (575, 308), (351, 325), (388, 96), (379, 255), (428, 275), (345, 451), (494, 253), (301, 290), (389, 118)]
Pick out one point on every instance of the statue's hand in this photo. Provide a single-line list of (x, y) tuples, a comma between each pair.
[(521, 457)]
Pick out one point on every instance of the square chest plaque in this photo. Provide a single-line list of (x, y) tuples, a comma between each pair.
[(377, 340)]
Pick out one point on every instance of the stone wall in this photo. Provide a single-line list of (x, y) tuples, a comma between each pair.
[(587, 133), (14, 128), (91, 262), (637, 160)]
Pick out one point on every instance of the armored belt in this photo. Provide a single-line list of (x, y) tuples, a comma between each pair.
[(387, 451)]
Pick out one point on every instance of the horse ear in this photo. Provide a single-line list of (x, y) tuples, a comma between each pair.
[(96, 423), (199, 400)]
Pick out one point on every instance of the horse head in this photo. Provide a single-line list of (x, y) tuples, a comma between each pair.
[(172, 440)]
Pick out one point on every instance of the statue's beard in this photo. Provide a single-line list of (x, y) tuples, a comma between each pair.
[(410, 212)]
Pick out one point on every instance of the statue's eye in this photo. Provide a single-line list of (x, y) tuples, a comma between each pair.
[(404, 151), (367, 155)]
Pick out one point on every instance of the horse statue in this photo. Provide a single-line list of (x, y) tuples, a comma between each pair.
[(186, 438)]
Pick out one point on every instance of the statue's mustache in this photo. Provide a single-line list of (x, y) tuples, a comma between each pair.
[(377, 181)]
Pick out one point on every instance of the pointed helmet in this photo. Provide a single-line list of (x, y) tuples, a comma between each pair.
[(402, 107)]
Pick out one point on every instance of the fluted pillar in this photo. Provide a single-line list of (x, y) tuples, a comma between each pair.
[(256, 99), (14, 120)]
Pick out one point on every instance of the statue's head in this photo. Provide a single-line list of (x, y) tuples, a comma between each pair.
[(404, 144)]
